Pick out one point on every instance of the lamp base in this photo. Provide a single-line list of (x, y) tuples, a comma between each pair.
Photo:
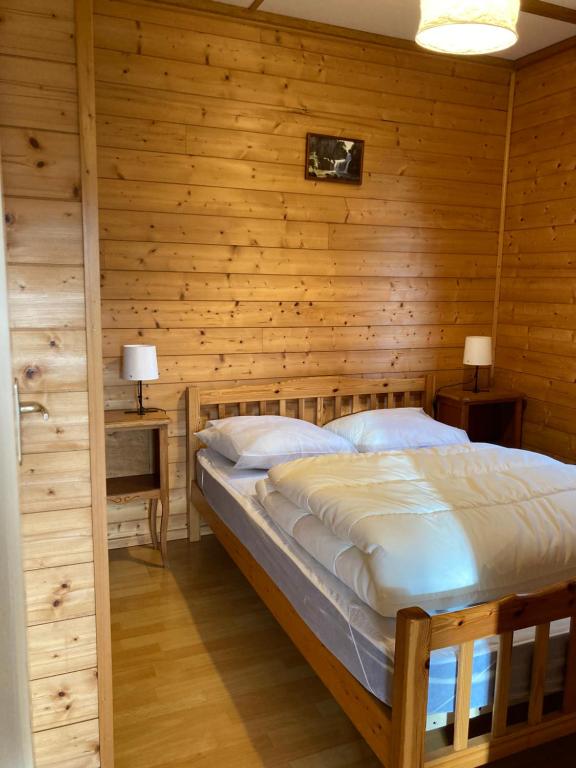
[(475, 385), (469, 387), (141, 411)]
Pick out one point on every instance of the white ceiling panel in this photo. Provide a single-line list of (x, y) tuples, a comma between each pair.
[(399, 18), (565, 3), (536, 32), (395, 18)]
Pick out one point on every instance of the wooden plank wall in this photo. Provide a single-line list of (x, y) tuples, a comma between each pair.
[(215, 248), (41, 173), (537, 316)]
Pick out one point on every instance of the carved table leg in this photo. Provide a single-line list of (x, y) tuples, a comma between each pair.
[(164, 527), (152, 512)]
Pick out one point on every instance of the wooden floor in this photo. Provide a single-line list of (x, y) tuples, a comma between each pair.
[(204, 677)]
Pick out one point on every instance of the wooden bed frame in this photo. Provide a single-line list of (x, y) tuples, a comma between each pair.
[(397, 734)]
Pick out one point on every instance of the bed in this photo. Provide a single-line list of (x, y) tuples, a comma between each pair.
[(391, 717)]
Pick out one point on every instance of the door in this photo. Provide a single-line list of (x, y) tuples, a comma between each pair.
[(15, 729)]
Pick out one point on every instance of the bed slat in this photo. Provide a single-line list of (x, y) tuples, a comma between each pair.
[(242, 409), (502, 685), (569, 703), (221, 410), (262, 407), (374, 401), (282, 407), (301, 408), (463, 691), (320, 411), (539, 660), (337, 406), (391, 400)]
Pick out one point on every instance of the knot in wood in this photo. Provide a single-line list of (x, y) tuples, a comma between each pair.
[(32, 372)]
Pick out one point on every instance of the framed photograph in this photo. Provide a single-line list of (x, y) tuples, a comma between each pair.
[(334, 158)]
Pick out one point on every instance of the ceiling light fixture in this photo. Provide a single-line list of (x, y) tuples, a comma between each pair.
[(468, 26)]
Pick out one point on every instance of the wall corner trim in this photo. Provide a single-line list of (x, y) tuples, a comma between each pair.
[(502, 221), (89, 177)]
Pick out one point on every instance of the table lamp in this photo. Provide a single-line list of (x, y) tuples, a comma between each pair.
[(477, 352), (140, 364)]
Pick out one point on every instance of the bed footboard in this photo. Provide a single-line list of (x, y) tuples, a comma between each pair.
[(418, 634)]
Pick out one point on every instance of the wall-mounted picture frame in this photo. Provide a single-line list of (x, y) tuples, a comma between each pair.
[(334, 158)]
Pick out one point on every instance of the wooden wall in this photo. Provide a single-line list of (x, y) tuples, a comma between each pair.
[(537, 317), (215, 248), (41, 175)]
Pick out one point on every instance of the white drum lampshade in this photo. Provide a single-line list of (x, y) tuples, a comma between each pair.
[(477, 352), (468, 27), (139, 363)]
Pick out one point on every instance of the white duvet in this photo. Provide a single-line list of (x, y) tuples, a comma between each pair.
[(440, 528)]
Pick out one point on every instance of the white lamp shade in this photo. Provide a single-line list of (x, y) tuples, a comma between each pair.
[(468, 26), (139, 362), (478, 350)]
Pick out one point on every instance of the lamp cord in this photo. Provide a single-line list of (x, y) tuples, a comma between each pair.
[(447, 386)]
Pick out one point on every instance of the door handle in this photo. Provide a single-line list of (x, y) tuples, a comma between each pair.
[(34, 408), (20, 410)]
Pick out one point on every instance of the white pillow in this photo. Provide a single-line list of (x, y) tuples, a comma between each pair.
[(395, 429), (262, 442)]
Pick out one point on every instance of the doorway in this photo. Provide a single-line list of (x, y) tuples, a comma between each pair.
[(15, 729)]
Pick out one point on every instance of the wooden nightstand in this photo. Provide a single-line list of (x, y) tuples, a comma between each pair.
[(152, 486), (487, 417)]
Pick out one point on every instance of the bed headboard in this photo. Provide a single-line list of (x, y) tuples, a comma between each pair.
[(317, 399)]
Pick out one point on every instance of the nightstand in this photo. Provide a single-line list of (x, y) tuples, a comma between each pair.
[(153, 485), (487, 417)]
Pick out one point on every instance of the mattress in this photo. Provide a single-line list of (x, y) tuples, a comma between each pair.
[(358, 636)]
